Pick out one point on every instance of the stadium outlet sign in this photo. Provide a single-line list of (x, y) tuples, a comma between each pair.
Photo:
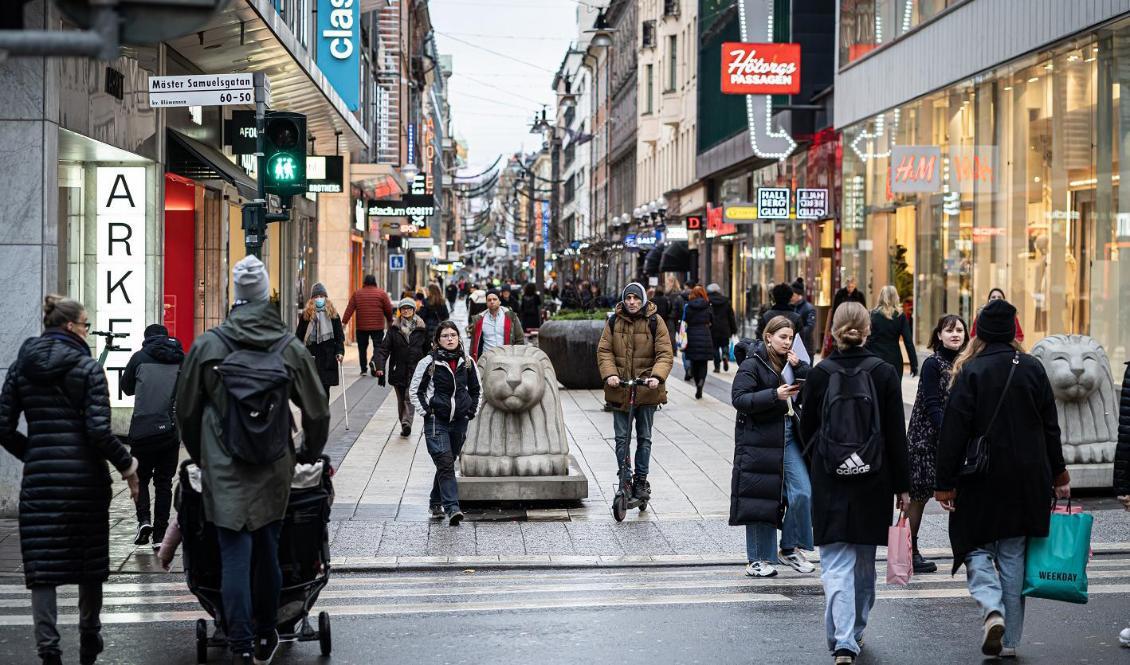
[(760, 69)]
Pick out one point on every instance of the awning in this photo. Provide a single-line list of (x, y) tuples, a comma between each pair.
[(376, 182), (193, 159), (651, 262), (251, 36), (676, 257)]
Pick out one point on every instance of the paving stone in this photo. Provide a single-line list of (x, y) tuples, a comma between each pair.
[(447, 540), (594, 538), (546, 538), (404, 539), (686, 537), (357, 538), (502, 539), (641, 538)]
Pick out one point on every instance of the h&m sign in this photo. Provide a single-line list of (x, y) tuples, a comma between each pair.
[(120, 266)]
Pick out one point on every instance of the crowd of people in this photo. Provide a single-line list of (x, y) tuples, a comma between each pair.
[(823, 453)]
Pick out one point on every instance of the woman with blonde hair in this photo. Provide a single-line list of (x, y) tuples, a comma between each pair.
[(888, 327), (769, 470), (852, 494), (319, 328)]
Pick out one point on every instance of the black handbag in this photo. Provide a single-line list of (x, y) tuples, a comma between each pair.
[(976, 462)]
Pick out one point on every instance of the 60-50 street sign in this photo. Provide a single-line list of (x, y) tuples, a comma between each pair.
[(202, 90)]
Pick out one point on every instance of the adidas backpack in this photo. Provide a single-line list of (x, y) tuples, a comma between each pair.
[(258, 421), (850, 440)]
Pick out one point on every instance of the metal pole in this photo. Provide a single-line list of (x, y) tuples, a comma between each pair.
[(554, 203), (255, 213)]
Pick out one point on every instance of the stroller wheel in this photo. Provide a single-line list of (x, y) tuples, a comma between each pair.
[(201, 641), (324, 633)]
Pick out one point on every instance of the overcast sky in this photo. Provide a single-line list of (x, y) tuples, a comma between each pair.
[(494, 97)]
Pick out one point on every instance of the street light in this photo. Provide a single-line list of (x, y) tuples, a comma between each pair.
[(567, 99), (601, 31)]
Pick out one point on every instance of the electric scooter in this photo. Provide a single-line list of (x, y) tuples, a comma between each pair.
[(109, 345), (624, 501)]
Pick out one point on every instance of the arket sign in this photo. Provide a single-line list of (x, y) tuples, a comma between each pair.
[(760, 69)]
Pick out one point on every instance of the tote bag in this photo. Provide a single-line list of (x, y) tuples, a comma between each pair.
[(1056, 566), (900, 561)]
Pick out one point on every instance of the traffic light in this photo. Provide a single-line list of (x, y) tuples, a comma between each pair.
[(284, 155)]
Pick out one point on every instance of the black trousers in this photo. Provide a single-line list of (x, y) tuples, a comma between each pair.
[(363, 337), (699, 370), (160, 466)]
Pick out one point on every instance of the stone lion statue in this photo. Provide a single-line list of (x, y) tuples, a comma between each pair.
[(1084, 396), (520, 430)]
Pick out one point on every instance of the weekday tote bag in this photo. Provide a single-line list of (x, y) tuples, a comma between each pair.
[(1056, 566)]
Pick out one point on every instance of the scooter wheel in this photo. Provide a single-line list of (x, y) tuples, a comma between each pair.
[(643, 505), (619, 508), (201, 641)]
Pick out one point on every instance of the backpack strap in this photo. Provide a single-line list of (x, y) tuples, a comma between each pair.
[(1007, 383), (281, 343), (652, 325), (228, 342)]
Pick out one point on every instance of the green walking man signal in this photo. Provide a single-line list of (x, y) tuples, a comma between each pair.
[(281, 150)]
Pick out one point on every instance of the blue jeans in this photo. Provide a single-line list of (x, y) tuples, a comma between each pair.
[(995, 574), (445, 442), (848, 575), (250, 584), (644, 416), (761, 538)]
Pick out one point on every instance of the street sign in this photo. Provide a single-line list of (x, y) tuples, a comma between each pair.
[(201, 90), (418, 243), (811, 203), (773, 202), (395, 262)]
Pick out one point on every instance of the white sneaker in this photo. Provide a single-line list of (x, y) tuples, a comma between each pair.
[(797, 561), (760, 569), (991, 635), (1124, 637), (1008, 652)]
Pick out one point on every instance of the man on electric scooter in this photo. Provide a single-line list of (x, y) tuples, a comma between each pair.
[(634, 344)]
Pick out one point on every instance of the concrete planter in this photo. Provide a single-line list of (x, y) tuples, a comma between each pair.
[(571, 347)]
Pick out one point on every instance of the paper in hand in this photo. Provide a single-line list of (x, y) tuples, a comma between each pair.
[(800, 351)]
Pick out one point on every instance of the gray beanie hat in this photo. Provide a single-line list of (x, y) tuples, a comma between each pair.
[(714, 288), (636, 289), (250, 280), (407, 302), (319, 290)]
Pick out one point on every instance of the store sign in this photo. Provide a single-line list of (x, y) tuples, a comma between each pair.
[(418, 243), (811, 203), (740, 213), (773, 202), (677, 232), (120, 267), (411, 144), (694, 223), (339, 48), (916, 169), (716, 226), (240, 133), (201, 90), (760, 69), (985, 233), (412, 205), (324, 174)]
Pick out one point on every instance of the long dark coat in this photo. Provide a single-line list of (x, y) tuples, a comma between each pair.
[(65, 492), (725, 323), (325, 354), (699, 318), (886, 334), (1014, 498), (402, 352), (757, 486), (1122, 452), (856, 510)]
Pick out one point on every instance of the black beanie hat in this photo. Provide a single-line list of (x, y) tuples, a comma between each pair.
[(997, 322), (782, 293), (156, 329), (798, 286)]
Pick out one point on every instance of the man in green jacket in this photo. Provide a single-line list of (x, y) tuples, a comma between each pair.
[(247, 502)]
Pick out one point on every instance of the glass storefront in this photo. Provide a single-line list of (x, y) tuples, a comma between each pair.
[(1010, 180), (866, 25)]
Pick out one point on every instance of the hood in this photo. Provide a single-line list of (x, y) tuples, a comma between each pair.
[(44, 359), (698, 303), (164, 349), (255, 324), (648, 310), (716, 298)]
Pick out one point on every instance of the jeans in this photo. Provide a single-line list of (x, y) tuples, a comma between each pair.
[(622, 426), (761, 542), (45, 614), (848, 575), (797, 529), (363, 337), (995, 574), (160, 466), (250, 583), (445, 442), (404, 408)]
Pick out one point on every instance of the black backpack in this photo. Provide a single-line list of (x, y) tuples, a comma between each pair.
[(850, 440), (652, 324), (258, 422)]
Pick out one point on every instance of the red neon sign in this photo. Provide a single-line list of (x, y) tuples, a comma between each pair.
[(760, 69)]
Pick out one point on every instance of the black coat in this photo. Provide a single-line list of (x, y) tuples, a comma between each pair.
[(1122, 452), (885, 337), (807, 314), (325, 354), (856, 510), (65, 492), (699, 318), (530, 311), (757, 486), (403, 353), (1014, 499), (433, 315), (725, 324)]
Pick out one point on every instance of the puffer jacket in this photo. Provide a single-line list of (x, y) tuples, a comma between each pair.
[(700, 341), (446, 393), (628, 350), (65, 493), (1122, 452), (403, 351)]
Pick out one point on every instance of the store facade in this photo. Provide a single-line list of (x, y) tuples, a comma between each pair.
[(1007, 179)]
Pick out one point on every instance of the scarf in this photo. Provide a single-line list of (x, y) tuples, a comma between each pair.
[(320, 329), (408, 325), (448, 356)]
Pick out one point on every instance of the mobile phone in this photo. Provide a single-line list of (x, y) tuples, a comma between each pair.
[(798, 382)]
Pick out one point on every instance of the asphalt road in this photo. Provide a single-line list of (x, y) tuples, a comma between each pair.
[(676, 615)]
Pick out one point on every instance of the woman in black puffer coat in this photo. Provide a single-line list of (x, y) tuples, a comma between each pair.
[(404, 346), (700, 343), (65, 494)]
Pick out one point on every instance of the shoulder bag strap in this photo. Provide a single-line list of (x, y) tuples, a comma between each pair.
[(1007, 383)]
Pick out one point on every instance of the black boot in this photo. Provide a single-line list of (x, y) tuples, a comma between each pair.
[(921, 565), (726, 364), (90, 645), (51, 659), (698, 388), (717, 367), (641, 489)]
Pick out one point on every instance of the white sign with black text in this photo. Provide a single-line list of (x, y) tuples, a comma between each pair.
[(120, 221), (811, 203), (201, 90)]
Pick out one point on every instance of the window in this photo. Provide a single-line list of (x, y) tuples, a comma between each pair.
[(570, 189), (670, 7), (672, 63), (649, 90), (866, 25), (647, 35)]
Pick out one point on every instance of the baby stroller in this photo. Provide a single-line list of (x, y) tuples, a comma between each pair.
[(304, 556)]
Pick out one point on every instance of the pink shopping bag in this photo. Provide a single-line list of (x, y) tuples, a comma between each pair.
[(900, 562)]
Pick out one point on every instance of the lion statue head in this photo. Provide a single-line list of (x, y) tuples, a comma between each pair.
[(1083, 386), (520, 430)]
